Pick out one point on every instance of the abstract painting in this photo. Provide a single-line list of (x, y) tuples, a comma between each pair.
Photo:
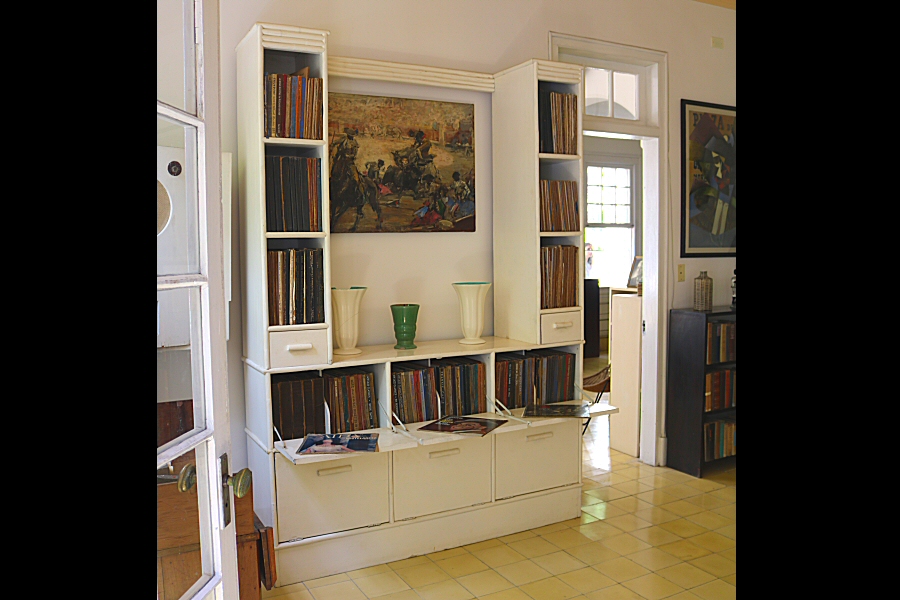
[(400, 165), (708, 197)]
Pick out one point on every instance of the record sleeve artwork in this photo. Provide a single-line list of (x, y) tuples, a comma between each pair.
[(400, 165)]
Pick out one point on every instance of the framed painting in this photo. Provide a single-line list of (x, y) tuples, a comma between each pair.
[(400, 165), (708, 167)]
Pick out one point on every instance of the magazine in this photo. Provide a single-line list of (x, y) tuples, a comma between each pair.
[(558, 410), (338, 443), (455, 424)]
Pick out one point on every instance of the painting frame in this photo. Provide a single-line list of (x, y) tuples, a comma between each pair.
[(708, 180), (636, 275), (424, 179)]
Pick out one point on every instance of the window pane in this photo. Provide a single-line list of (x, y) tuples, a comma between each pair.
[(594, 213), (179, 368), (607, 176), (625, 92), (623, 196), (593, 194), (623, 177), (608, 195), (596, 92), (613, 254), (608, 214), (623, 214), (177, 228), (593, 175), (175, 79)]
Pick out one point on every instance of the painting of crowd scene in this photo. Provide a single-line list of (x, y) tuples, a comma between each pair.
[(400, 165)]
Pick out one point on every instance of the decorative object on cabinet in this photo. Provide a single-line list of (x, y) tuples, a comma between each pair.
[(701, 390), (405, 316), (636, 275), (708, 178), (345, 306), (580, 410), (703, 291), (468, 425), (471, 296), (401, 164), (338, 443)]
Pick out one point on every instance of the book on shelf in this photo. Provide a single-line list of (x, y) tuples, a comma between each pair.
[(561, 409), (462, 385), (338, 443), (414, 392), (462, 424), (295, 282), (720, 439), (293, 193), (559, 273), (292, 104), (557, 121), (514, 379), (298, 404), (554, 375), (350, 396), (559, 205), (721, 339)]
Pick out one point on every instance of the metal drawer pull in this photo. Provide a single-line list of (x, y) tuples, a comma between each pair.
[(334, 470), (442, 453), (539, 436), (292, 347), (562, 325)]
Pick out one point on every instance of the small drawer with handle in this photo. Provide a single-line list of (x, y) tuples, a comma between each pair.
[(561, 327), (298, 348)]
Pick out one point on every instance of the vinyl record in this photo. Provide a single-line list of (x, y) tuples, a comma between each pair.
[(163, 207)]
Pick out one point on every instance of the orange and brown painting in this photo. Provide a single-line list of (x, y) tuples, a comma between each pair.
[(399, 164)]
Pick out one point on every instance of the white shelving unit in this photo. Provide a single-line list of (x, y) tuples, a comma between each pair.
[(422, 491)]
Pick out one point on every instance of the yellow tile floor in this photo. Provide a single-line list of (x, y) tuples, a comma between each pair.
[(645, 533)]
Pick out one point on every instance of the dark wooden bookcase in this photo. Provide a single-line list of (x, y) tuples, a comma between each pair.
[(689, 363)]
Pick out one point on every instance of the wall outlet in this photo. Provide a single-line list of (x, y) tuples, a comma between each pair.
[(718, 42), (680, 272)]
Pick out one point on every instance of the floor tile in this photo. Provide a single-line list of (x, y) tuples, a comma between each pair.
[(621, 569), (654, 559), (511, 594), (615, 592), (568, 538), (586, 580), (587, 499), (685, 575), (732, 579), (515, 537), (632, 487), (655, 536), (369, 571), (682, 491), (708, 501), (583, 519), (558, 562), (626, 473), (625, 544), (297, 589), (712, 541), (630, 504), (313, 583), (381, 584), (656, 481), (458, 566), (684, 550), (602, 510), (482, 545), (704, 485), (656, 497), (551, 588), (709, 519), (683, 528), (410, 562), (730, 554), (436, 556), (685, 595), (531, 547), (444, 590), (682, 508), (729, 512), (726, 493), (652, 586), (676, 476), (484, 583), (715, 565), (656, 515), (716, 590), (404, 595), (593, 553), (628, 522), (550, 528), (522, 572), (607, 493), (422, 575), (498, 556), (345, 590), (599, 530)]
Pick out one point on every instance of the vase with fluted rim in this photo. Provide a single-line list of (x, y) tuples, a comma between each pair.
[(345, 306), (471, 296)]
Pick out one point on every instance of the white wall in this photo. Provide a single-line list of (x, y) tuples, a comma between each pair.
[(485, 36)]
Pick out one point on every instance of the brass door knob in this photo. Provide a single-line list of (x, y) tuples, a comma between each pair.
[(187, 478), (240, 481)]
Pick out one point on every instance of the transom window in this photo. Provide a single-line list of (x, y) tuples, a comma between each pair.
[(601, 85)]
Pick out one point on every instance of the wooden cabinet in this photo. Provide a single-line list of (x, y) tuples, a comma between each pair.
[(701, 400), (625, 342)]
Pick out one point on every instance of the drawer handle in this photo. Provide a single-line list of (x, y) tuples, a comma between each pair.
[(293, 347), (334, 470), (442, 453), (539, 436), (562, 325)]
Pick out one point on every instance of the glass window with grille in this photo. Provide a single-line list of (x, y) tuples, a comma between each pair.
[(610, 227), (611, 93)]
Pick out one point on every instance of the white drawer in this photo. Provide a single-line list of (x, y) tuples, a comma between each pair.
[(438, 477), (298, 348), (561, 327), (331, 495), (538, 458)]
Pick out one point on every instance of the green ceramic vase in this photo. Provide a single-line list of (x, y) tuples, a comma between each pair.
[(405, 316)]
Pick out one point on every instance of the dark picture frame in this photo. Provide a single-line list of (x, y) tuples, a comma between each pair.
[(708, 178), (636, 275)]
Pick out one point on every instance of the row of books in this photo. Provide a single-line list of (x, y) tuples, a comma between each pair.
[(721, 343), (462, 384), (559, 273), (293, 193), (296, 291), (293, 105), (557, 121), (559, 205), (514, 380), (414, 392), (350, 393), (720, 440), (721, 390), (535, 377), (298, 404)]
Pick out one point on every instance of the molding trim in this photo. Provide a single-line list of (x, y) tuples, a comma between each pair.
[(364, 68), (296, 39)]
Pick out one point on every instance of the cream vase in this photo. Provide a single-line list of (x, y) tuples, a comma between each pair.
[(471, 309), (345, 305)]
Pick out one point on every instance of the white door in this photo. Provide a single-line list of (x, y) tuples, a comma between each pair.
[(196, 549)]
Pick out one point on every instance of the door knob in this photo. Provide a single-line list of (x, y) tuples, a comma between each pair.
[(240, 481), (187, 478)]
